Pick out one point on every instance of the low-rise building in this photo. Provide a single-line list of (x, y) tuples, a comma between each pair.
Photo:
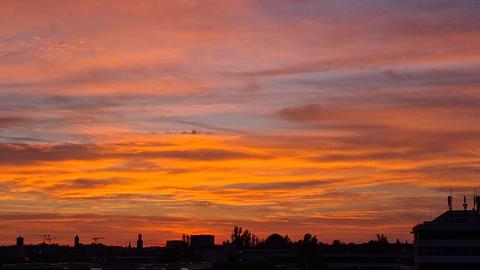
[(202, 241)]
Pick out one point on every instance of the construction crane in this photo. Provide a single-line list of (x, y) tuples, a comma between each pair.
[(47, 237), (95, 239)]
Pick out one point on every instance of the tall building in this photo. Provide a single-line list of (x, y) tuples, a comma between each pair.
[(20, 247), (76, 241), (139, 242), (450, 241), (202, 241)]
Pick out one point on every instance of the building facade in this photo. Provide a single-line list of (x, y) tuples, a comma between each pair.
[(450, 241)]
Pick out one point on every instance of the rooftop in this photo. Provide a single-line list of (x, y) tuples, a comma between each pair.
[(453, 219)]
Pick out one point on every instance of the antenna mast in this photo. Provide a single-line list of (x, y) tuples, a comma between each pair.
[(476, 200), (95, 239), (47, 237)]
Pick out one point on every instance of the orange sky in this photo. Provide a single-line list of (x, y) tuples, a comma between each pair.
[(340, 118)]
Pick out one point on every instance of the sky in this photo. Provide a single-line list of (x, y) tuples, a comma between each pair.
[(340, 118)]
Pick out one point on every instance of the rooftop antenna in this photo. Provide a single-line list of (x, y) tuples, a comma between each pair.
[(451, 195), (47, 237), (465, 205), (450, 204), (474, 199), (95, 239)]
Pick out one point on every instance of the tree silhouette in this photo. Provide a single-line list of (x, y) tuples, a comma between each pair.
[(309, 241), (242, 239), (287, 239), (307, 250), (337, 243), (382, 239)]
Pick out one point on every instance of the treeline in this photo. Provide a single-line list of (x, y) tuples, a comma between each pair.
[(308, 252), (241, 239)]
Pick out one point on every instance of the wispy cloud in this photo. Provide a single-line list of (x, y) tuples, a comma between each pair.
[(316, 115)]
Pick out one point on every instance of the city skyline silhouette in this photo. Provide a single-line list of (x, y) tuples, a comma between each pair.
[(449, 241)]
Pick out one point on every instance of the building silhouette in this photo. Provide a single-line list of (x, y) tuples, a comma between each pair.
[(139, 242), (76, 241), (175, 245), (202, 241), (450, 241), (139, 249), (20, 247), (276, 241)]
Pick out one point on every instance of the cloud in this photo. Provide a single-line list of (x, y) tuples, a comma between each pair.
[(465, 173), (7, 122), (198, 154), (23, 154), (23, 139), (279, 185), (356, 107), (18, 154), (87, 183)]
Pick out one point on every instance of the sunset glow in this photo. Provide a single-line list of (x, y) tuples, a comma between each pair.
[(340, 118)]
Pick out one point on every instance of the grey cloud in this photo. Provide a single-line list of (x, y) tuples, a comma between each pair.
[(87, 183), (23, 154), (7, 122)]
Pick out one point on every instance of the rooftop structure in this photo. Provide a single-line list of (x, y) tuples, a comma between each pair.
[(451, 240)]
